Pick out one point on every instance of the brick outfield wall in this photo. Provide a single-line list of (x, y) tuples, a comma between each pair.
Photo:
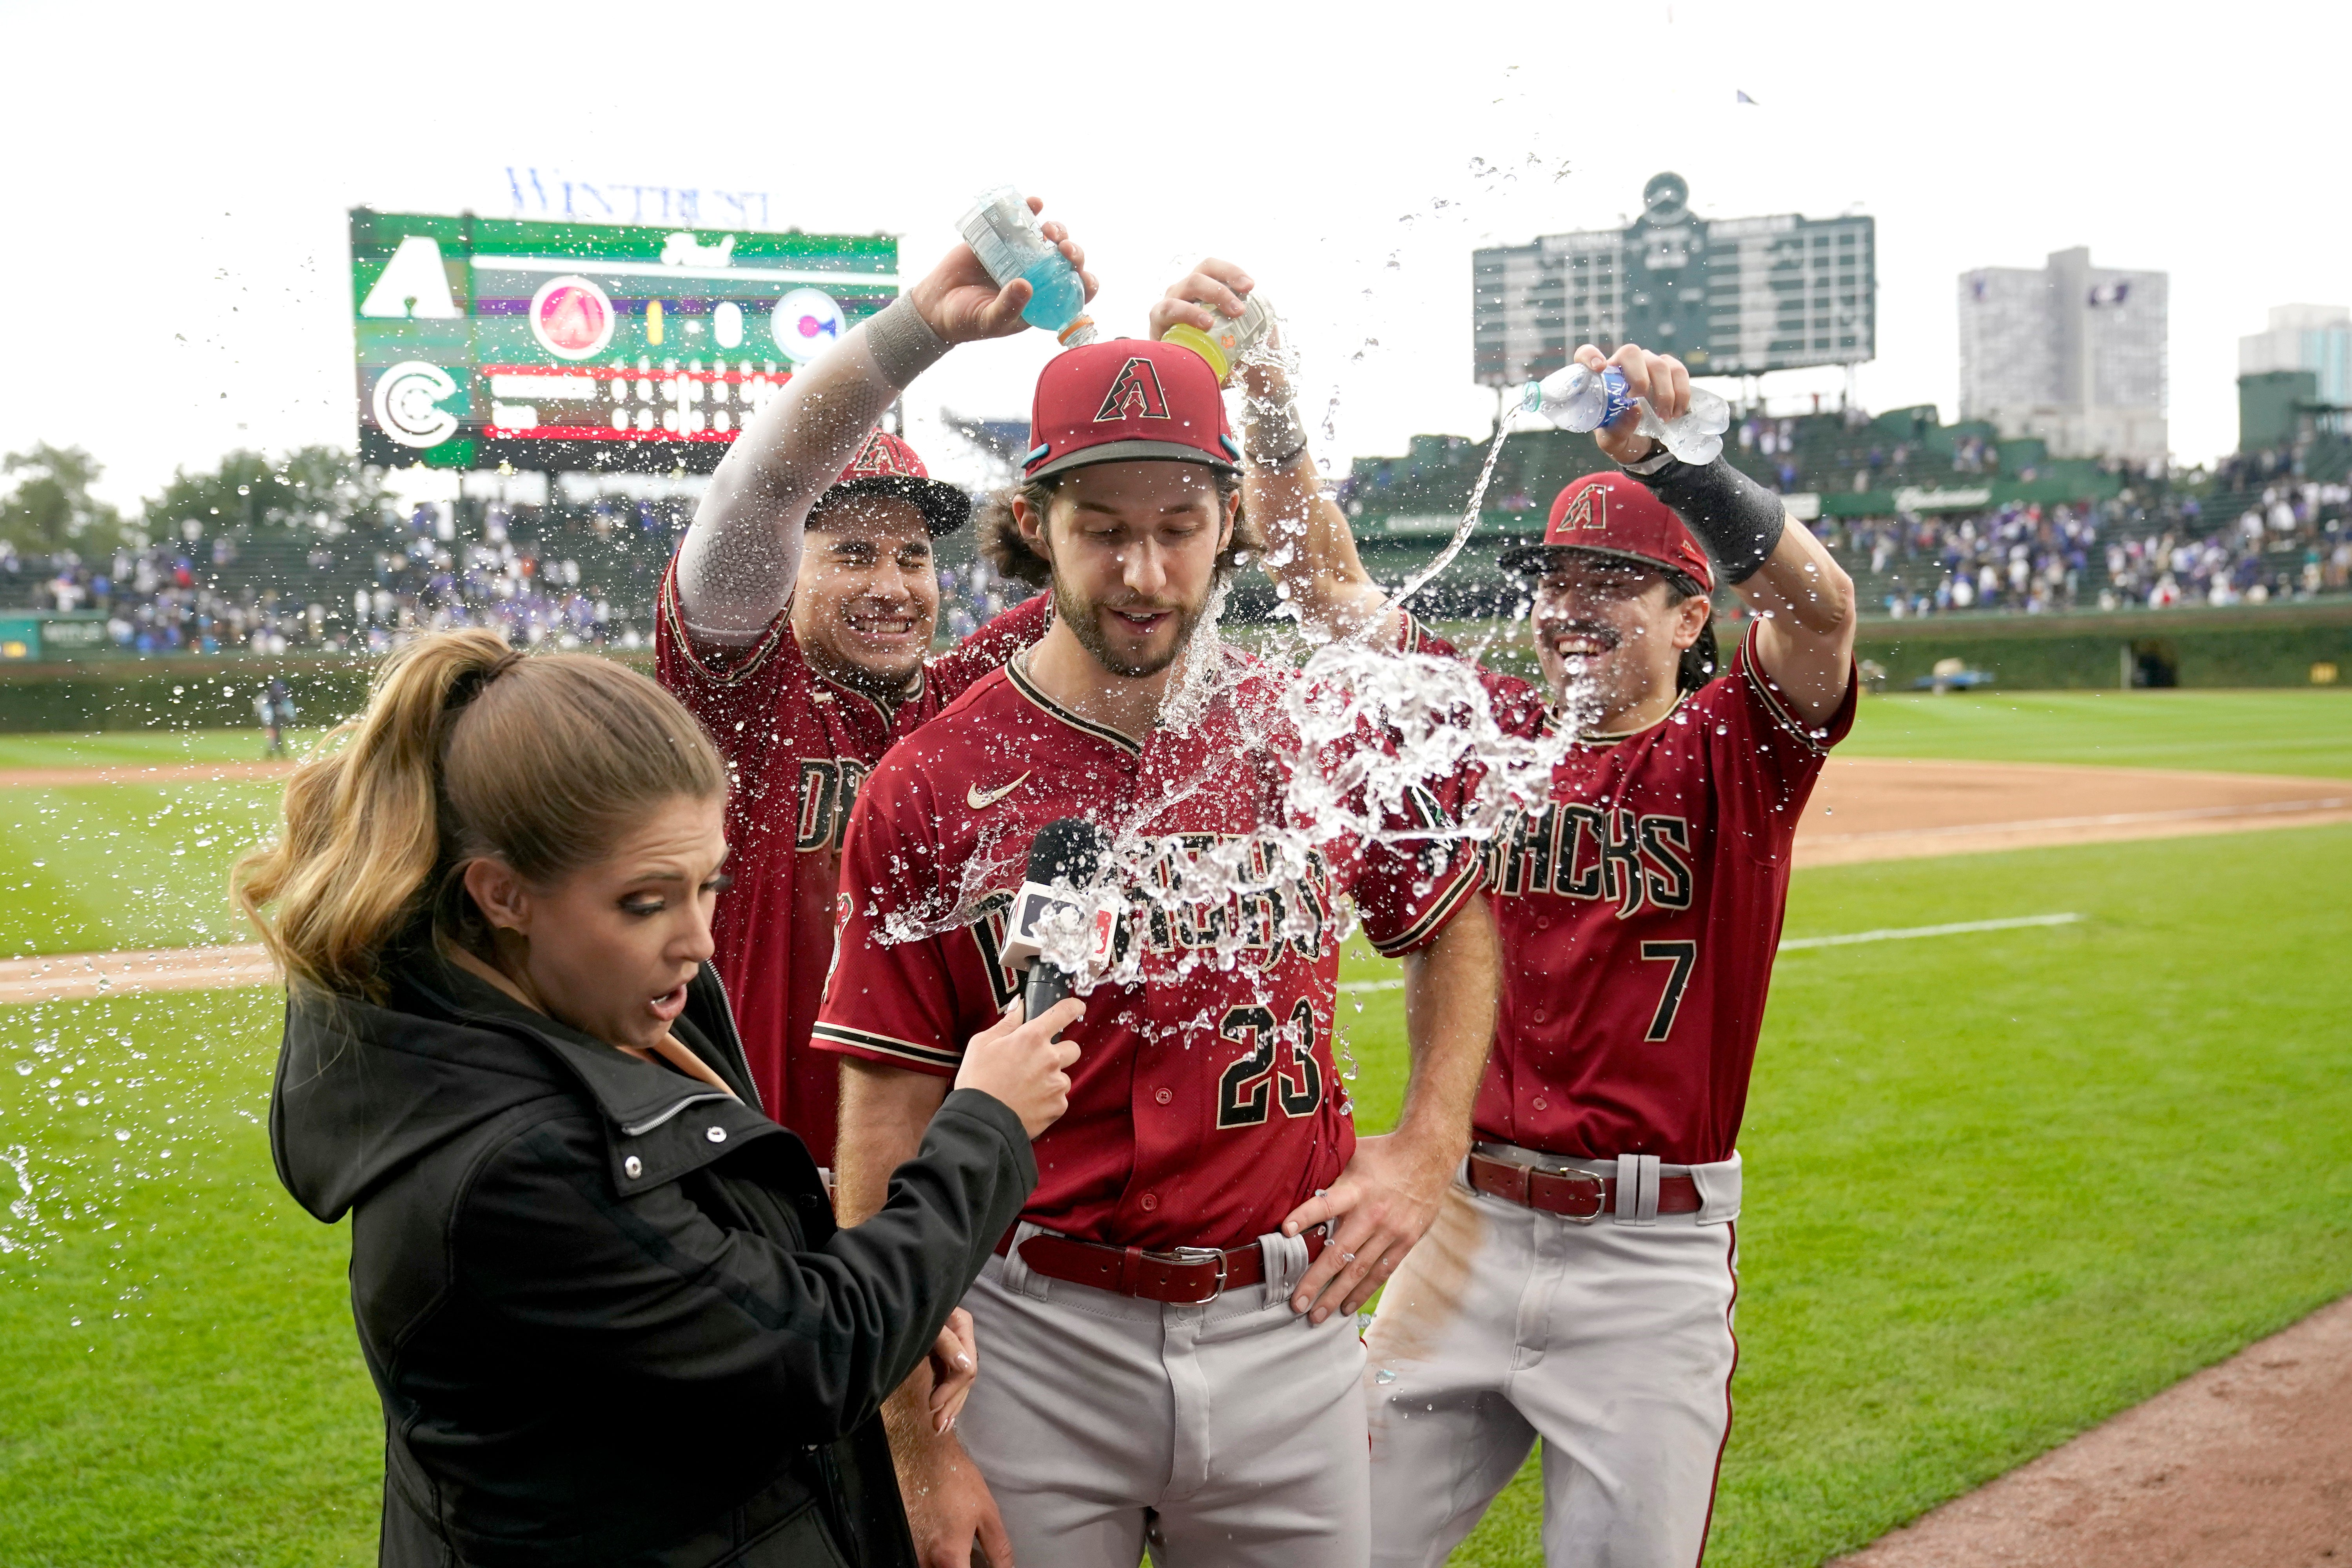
[(2274, 645)]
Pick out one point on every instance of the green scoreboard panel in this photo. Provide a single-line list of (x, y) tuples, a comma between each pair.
[(570, 346), (1729, 296)]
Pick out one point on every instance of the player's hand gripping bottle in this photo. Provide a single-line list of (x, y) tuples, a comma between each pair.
[(1573, 398), (1225, 344), (1004, 233)]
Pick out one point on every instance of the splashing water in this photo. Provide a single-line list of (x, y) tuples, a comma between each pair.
[(1462, 531)]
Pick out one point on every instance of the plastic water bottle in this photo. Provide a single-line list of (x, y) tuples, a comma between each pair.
[(1573, 398), (1227, 344), (1004, 233)]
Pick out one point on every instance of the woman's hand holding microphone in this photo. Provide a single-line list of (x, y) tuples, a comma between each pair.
[(1021, 1063)]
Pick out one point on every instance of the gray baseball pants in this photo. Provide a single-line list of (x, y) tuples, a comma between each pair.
[(1225, 1435), (1612, 1342)]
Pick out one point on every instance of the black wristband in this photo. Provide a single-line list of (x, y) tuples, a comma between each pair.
[(1737, 520)]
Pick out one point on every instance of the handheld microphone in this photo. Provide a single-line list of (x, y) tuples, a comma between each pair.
[(1067, 855)]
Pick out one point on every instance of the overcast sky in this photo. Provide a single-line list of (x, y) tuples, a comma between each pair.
[(176, 243)]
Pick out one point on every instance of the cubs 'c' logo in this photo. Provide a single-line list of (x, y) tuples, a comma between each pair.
[(1589, 510), (1135, 394)]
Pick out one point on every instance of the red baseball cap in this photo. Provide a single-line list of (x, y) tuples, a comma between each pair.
[(1615, 514), (1125, 401), (885, 466)]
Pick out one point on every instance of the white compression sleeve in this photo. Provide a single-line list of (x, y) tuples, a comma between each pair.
[(736, 568)]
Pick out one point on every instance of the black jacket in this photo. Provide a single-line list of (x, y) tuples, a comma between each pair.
[(606, 1308)]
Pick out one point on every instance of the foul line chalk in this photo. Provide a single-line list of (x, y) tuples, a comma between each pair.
[(1958, 928)]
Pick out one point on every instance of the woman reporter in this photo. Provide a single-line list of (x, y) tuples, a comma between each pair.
[(601, 1296)]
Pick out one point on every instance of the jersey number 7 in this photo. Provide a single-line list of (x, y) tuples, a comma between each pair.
[(1684, 955)]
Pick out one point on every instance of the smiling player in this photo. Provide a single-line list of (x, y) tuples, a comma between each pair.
[(1171, 1352), (1578, 1285), (795, 623)]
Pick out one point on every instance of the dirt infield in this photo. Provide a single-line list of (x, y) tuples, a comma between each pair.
[(1877, 808), (133, 774), (78, 977), (2247, 1462), (1865, 808)]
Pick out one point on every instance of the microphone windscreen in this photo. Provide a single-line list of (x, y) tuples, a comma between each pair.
[(1068, 850)]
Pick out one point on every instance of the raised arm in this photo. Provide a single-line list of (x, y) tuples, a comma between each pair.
[(736, 568), (1783, 574), (1310, 551)]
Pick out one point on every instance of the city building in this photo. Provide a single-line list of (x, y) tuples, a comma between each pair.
[(2068, 353), (1729, 296), (2316, 338)]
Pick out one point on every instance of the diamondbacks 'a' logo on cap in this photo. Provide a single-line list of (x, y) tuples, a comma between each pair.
[(882, 456), (1589, 508), (1135, 394)]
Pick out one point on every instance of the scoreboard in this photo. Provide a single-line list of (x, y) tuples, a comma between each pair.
[(1727, 296), (571, 346)]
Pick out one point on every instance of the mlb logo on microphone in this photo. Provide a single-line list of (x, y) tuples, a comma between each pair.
[(1039, 912)]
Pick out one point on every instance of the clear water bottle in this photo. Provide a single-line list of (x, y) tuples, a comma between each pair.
[(1006, 236), (1573, 398)]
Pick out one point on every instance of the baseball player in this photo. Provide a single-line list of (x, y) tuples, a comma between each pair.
[(1172, 1357), (1578, 1285), (794, 622)]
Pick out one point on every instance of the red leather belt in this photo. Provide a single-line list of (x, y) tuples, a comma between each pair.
[(1571, 1195), (1188, 1277)]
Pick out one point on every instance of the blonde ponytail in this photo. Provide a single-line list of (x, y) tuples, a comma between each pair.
[(466, 749)]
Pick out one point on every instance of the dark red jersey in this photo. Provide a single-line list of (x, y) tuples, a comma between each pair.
[(1205, 1103), (800, 746), (1639, 912)]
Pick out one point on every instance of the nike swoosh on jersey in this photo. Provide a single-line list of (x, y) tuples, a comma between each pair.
[(981, 799)]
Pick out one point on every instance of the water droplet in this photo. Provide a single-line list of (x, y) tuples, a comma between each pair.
[(1384, 1375), (122, 1135), (23, 1070)]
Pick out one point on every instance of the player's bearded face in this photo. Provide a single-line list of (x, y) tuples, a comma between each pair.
[(1134, 547), (867, 595), (1606, 634)]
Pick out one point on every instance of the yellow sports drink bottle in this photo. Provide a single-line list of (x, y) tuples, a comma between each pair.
[(1233, 337)]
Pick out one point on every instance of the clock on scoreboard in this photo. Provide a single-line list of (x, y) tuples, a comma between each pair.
[(571, 346)]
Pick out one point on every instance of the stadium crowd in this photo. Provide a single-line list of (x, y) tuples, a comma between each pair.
[(2291, 541), (578, 580)]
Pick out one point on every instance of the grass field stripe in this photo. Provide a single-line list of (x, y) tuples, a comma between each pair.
[(1958, 927), (1349, 986), (2110, 819)]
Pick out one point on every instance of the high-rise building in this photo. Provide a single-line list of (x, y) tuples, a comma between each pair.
[(2316, 338), (2068, 351)]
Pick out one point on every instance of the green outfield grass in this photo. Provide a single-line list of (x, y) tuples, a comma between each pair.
[(92, 867), (2282, 731), (2000, 1187)]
